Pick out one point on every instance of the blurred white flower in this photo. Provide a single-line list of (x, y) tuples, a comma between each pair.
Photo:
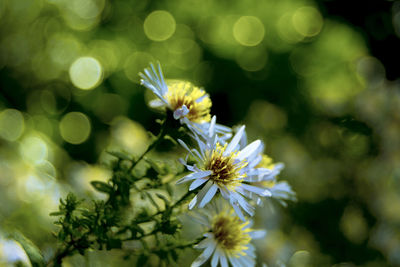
[(227, 238), (280, 190)]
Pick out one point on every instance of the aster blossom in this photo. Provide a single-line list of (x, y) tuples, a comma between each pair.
[(227, 239), (190, 104), (224, 168)]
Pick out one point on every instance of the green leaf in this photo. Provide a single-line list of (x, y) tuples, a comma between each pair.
[(101, 186), (31, 249), (169, 189), (166, 201)]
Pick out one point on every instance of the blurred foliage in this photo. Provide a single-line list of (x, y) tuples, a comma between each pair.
[(304, 82)]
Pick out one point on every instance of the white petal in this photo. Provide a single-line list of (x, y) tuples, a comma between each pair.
[(204, 256), (182, 161), (211, 130), (215, 259), (194, 175), (193, 202), (249, 149), (197, 183), (238, 199), (156, 103), (157, 92), (257, 234), (181, 112), (234, 261), (259, 191), (209, 195), (155, 82), (198, 100), (199, 197), (223, 260), (234, 142), (238, 211), (204, 243), (246, 261), (193, 152), (184, 145), (224, 192), (246, 206), (164, 87), (222, 128)]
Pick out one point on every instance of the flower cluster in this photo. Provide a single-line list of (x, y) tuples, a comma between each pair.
[(227, 172)]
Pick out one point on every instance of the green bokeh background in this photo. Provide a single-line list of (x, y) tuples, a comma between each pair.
[(302, 80)]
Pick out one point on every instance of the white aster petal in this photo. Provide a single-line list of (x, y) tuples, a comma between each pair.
[(199, 197), (215, 259), (223, 260), (204, 243), (205, 255), (196, 183), (156, 103), (234, 142), (181, 112), (193, 202), (208, 196), (257, 234), (194, 175), (259, 191), (249, 150)]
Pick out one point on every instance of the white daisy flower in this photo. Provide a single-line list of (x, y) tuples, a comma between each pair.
[(189, 104), (227, 238), (225, 169), (183, 98)]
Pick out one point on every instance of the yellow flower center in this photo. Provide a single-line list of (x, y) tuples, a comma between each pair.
[(224, 169), (230, 234), (184, 93)]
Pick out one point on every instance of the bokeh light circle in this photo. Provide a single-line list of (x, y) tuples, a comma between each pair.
[(11, 124), (86, 73), (75, 127), (248, 31), (307, 21), (33, 149), (159, 25)]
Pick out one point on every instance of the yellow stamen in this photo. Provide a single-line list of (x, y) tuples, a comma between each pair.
[(184, 93), (230, 234), (266, 162), (224, 169)]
